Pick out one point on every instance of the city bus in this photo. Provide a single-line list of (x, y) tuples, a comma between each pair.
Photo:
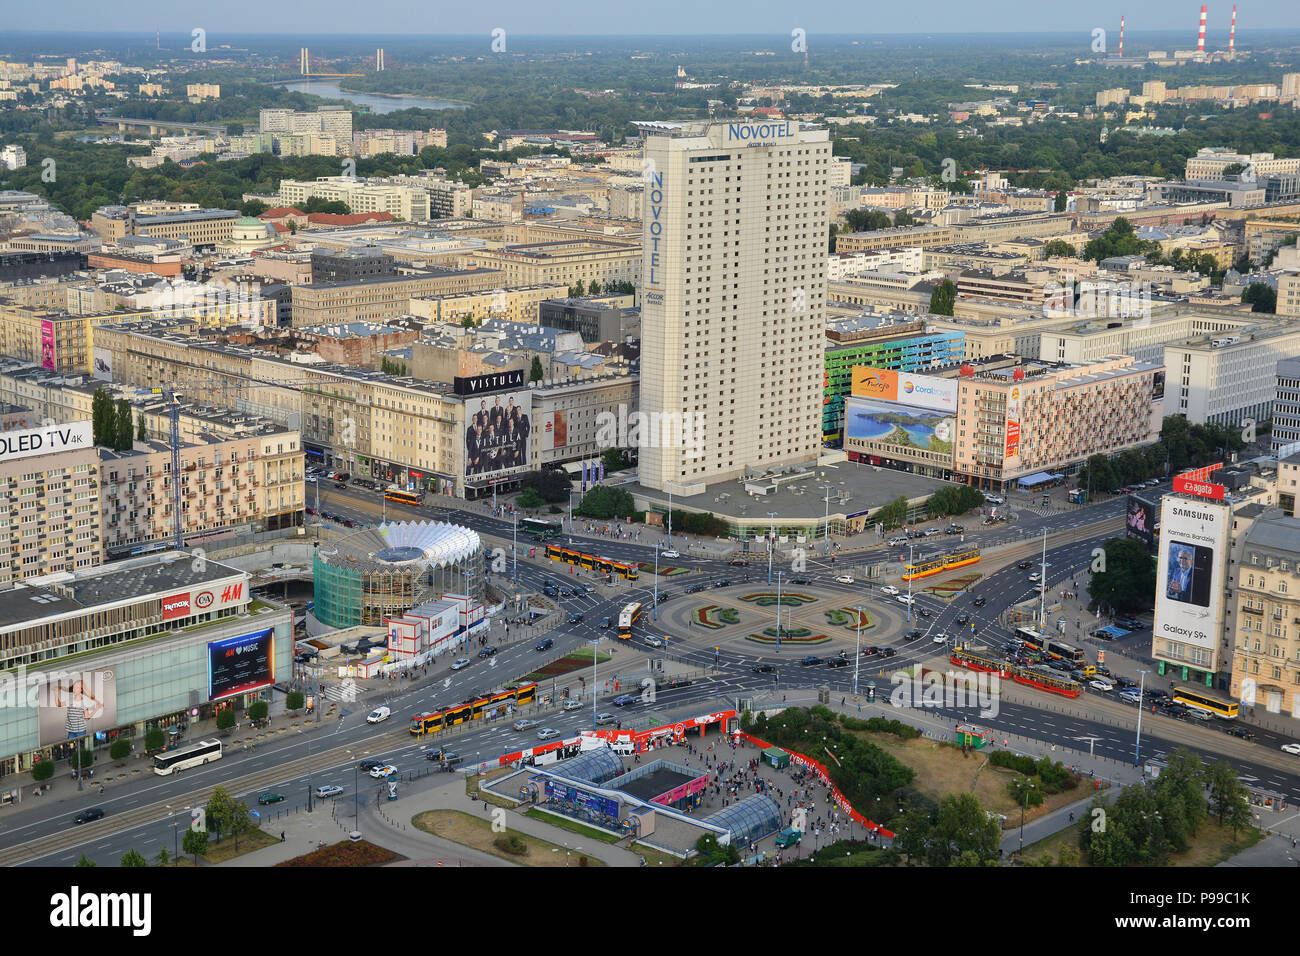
[(592, 563), (626, 618), (404, 497), (479, 708), (1197, 700), (194, 755), (541, 529), (1057, 650)]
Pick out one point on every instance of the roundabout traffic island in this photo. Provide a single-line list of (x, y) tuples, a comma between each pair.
[(850, 618), (715, 616), (664, 569), (770, 598), (950, 589), (800, 637)]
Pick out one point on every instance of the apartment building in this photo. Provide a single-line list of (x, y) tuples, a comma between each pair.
[(1265, 637), (53, 339), (1020, 420), (381, 298), (449, 199), (49, 501), (1286, 404), (899, 237), (1288, 294), (562, 261), (198, 227), (1228, 377), (408, 203), (335, 122), (1209, 163), (516, 304), (734, 296)]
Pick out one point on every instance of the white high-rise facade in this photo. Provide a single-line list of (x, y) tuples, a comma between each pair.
[(733, 299)]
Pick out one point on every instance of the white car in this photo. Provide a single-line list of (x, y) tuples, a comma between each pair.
[(383, 770), (378, 714), (905, 599), (670, 554), (1101, 685), (843, 579), (940, 639), (526, 724), (894, 542), (460, 662), (889, 589), (546, 733), (572, 704), (653, 642), (1035, 576), (994, 499), (329, 790), (1291, 748)]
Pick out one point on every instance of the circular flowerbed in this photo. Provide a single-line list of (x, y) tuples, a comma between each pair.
[(767, 640), (711, 615), (850, 618), (769, 598)]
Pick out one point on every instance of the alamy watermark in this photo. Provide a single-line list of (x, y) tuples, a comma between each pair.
[(948, 689), (44, 688), (1098, 299), (637, 429)]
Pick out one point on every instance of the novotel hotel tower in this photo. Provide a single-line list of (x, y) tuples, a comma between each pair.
[(733, 298)]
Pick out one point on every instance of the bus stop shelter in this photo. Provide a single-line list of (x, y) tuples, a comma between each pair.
[(1040, 478)]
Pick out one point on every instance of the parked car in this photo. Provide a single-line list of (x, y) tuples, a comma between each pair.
[(889, 589), (929, 531), (329, 790), (1129, 696), (545, 645), (97, 813), (995, 499), (895, 542), (843, 579), (459, 663), (487, 651), (955, 529), (267, 798)]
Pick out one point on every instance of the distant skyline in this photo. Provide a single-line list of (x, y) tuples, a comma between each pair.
[(661, 18)]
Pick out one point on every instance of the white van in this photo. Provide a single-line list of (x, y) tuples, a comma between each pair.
[(378, 714)]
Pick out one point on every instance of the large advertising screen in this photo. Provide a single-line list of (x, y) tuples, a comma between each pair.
[(103, 370), (496, 433), (1013, 421), (73, 704), (1189, 575), (47, 343), (1141, 521), (46, 440), (905, 426), (920, 391), (240, 664)]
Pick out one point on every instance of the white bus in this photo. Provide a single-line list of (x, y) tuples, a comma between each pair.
[(194, 755)]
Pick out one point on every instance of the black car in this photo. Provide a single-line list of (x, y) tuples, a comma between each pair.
[(979, 602), (800, 581), (575, 618), (606, 623), (963, 618), (812, 661), (487, 651), (85, 816), (837, 662), (1025, 565), (696, 588), (738, 563), (763, 668), (1241, 732), (955, 529), (912, 635), (869, 650), (922, 612), (724, 583), (888, 652), (370, 764), (546, 645), (663, 596)]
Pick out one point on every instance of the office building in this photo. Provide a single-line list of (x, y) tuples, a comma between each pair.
[(1286, 404), (401, 202), (1228, 377), (1265, 642), (734, 296)]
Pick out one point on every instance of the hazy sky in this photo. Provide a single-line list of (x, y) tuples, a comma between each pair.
[(630, 17)]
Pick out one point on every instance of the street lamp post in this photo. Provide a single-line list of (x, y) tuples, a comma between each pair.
[(594, 645), (356, 796), (778, 612), (514, 545), (669, 486), (910, 560), (857, 659), (654, 610), (826, 520), (570, 511), (771, 542), (1142, 687), (309, 809), (1042, 588)]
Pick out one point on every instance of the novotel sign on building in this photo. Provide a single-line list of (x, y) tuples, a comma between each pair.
[(757, 134), (46, 440)]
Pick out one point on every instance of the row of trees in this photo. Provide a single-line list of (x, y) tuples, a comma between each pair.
[(611, 287), (1182, 445), (953, 500), (1148, 823), (114, 425), (1123, 576)]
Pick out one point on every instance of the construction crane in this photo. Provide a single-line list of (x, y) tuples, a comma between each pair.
[(172, 395)]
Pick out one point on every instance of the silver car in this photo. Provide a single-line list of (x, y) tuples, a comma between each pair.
[(546, 733)]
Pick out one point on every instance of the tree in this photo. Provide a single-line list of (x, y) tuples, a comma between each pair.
[(831, 243), (240, 821), (134, 858), (943, 297), (1061, 201), (225, 719), (294, 700), (42, 770), (81, 759), (195, 843), (154, 740), (1126, 578), (962, 826), (218, 811), (253, 207), (120, 749), (593, 288), (1059, 248), (529, 498), (613, 460), (467, 322), (1228, 797), (535, 373), (604, 503), (904, 218), (860, 220), (162, 858), (258, 710), (103, 420), (141, 432), (1262, 298), (86, 861), (124, 438), (553, 486)]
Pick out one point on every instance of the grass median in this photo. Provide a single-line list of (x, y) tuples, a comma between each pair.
[(477, 834)]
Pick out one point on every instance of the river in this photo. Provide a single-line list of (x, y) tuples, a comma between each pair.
[(377, 103)]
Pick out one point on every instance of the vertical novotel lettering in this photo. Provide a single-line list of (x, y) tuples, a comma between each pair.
[(656, 224)]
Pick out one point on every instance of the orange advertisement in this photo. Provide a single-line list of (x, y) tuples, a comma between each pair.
[(875, 383)]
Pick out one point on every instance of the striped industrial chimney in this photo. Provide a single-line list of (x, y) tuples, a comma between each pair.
[(1200, 36), (1232, 32), (1121, 36)]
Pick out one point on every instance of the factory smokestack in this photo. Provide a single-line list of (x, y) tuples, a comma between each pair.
[(1200, 36)]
